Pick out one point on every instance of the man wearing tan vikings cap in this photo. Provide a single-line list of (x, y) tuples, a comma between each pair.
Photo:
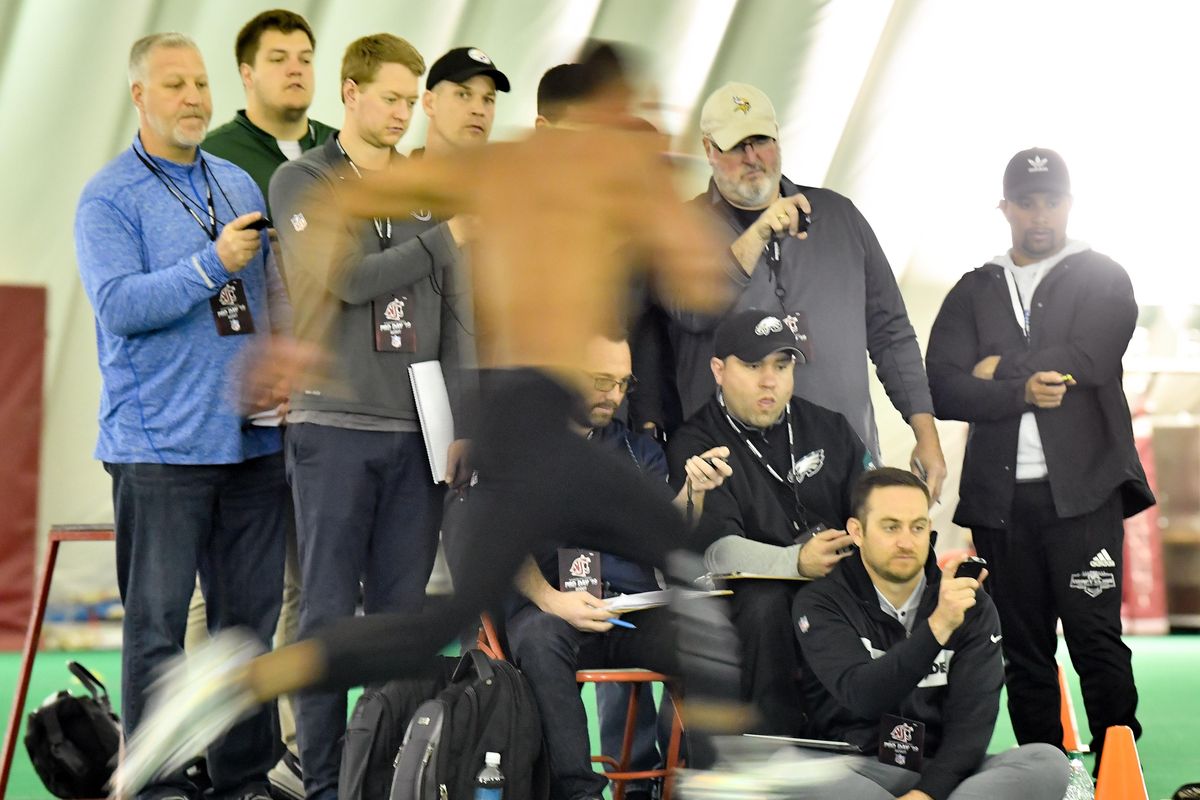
[(835, 276)]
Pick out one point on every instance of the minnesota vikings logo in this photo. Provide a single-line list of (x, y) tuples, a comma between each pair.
[(741, 104)]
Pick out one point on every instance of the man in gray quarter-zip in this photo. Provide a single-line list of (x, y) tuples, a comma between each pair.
[(382, 294)]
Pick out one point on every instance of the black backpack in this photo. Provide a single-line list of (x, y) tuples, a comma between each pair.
[(488, 707), (73, 742), (376, 731)]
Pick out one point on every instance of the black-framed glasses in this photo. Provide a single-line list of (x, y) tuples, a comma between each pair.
[(603, 383), (757, 142)]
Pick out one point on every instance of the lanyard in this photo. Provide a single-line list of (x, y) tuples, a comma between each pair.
[(1020, 308), (750, 445), (210, 229), (790, 481), (773, 250), (383, 228)]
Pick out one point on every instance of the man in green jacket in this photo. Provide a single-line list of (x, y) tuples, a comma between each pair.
[(275, 54)]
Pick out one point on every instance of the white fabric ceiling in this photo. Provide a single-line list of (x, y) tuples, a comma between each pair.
[(909, 107)]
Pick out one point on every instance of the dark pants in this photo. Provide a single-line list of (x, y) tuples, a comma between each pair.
[(227, 523), (367, 511), (1044, 568), (762, 614), (549, 651)]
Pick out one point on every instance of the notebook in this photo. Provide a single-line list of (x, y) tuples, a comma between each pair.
[(433, 411)]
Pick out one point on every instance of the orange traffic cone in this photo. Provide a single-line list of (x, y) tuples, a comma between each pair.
[(1066, 712), (1120, 769)]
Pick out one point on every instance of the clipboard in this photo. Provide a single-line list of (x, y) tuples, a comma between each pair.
[(812, 744)]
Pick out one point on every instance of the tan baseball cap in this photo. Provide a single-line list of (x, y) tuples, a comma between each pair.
[(735, 111)]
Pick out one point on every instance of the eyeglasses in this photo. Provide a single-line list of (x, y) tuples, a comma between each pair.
[(757, 142), (603, 383)]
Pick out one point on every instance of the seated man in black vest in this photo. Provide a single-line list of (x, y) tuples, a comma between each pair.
[(564, 626), (902, 660), (777, 516)]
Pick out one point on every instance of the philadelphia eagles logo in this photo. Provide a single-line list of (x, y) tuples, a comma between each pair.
[(807, 466), (768, 325)]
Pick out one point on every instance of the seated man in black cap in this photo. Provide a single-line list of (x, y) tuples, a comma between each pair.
[(778, 515)]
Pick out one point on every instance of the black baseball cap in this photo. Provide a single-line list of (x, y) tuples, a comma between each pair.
[(754, 334), (462, 64), (1036, 170)]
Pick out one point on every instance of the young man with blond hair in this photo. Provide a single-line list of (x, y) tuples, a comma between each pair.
[(381, 294)]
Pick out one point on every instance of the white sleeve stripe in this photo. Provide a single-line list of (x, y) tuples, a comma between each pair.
[(203, 275)]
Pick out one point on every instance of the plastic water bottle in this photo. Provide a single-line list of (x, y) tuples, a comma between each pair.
[(489, 783), (1079, 783)]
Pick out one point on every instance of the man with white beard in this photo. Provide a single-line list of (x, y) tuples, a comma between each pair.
[(805, 252)]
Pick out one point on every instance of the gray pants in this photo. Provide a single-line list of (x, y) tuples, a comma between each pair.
[(1029, 772)]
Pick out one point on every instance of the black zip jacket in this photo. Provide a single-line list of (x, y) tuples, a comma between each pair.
[(1082, 316), (859, 664), (751, 502)]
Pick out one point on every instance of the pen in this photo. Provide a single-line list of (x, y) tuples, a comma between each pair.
[(622, 623)]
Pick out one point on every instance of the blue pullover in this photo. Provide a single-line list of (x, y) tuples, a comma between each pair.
[(149, 270)]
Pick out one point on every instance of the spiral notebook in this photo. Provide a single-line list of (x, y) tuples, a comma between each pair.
[(433, 411)]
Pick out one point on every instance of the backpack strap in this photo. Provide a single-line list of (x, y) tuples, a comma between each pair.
[(90, 682), (475, 660)]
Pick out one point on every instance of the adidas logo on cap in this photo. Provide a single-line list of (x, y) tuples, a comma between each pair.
[(1102, 559)]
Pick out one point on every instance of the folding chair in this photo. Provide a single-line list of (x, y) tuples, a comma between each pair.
[(616, 769)]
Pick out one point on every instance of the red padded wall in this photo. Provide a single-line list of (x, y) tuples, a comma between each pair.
[(22, 351)]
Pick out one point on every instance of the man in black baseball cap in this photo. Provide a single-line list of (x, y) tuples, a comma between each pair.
[(1036, 170), (1027, 350), (460, 99), (782, 512)]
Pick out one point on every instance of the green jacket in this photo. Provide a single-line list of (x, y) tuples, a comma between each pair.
[(255, 150)]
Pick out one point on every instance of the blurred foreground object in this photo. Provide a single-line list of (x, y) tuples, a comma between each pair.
[(197, 698)]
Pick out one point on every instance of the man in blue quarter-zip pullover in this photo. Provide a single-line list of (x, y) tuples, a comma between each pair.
[(181, 284)]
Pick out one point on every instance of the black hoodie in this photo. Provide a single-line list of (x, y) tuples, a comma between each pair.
[(859, 664)]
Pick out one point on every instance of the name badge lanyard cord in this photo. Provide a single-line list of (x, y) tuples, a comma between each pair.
[(1021, 310), (773, 250), (189, 205), (383, 228), (790, 482)]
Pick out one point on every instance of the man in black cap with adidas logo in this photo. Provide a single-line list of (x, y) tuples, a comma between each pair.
[(1027, 349), (779, 515)]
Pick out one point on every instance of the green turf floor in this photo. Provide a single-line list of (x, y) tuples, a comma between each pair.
[(1167, 669)]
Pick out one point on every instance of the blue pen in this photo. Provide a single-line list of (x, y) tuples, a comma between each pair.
[(622, 623)]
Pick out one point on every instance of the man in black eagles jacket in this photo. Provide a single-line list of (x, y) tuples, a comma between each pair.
[(903, 661), (1028, 349), (779, 513)]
